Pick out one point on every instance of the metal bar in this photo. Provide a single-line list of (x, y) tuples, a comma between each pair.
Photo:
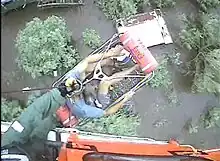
[(93, 52), (29, 90), (57, 4), (134, 89)]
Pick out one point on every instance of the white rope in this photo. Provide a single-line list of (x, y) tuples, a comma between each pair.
[(191, 147), (211, 150)]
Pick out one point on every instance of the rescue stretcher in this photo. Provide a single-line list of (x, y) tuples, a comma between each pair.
[(137, 79), (149, 29)]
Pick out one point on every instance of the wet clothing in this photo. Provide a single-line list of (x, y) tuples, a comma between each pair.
[(104, 100), (74, 73), (80, 108), (36, 121)]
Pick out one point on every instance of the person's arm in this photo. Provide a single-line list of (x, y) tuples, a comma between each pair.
[(119, 105), (82, 66), (115, 108), (113, 52), (83, 110), (38, 118), (79, 70), (32, 117)]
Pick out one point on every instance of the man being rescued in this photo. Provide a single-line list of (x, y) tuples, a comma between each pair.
[(77, 104)]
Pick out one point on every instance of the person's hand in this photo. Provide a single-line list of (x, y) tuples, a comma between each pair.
[(66, 87), (70, 82), (128, 95)]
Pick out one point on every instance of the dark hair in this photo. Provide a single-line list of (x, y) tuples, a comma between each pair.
[(107, 70), (90, 93)]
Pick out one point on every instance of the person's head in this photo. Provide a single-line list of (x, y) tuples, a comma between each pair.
[(89, 93), (107, 70)]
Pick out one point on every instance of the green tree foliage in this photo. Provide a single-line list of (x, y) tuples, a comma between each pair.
[(163, 3), (44, 46), (140, 4), (209, 79), (91, 38), (203, 39), (10, 110), (117, 124), (162, 78), (114, 9), (211, 118), (202, 34), (190, 37), (206, 4)]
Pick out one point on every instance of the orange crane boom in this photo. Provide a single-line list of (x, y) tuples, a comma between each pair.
[(101, 147)]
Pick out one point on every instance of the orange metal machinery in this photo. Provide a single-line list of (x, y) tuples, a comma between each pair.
[(101, 147), (70, 144)]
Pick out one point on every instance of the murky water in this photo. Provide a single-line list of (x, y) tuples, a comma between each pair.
[(162, 121), (159, 121)]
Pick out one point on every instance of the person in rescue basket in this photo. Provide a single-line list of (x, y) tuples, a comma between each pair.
[(25, 138), (77, 103)]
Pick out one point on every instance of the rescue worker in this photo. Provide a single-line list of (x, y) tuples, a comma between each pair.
[(78, 105), (25, 137)]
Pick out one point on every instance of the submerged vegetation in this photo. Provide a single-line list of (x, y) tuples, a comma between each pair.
[(203, 38), (116, 9), (162, 78), (91, 38), (10, 110), (117, 124), (207, 4), (209, 119), (163, 3)]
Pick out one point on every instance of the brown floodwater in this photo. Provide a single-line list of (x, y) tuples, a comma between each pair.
[(158, 121)]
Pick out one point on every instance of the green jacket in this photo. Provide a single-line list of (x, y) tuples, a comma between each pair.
[(37, 120)]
